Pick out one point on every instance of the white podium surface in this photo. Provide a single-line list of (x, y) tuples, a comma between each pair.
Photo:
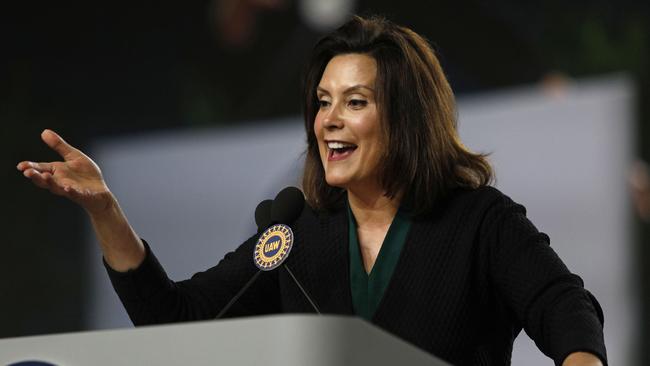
[(272, 340)]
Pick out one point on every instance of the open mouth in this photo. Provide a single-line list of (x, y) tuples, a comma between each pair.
[(339, 150)]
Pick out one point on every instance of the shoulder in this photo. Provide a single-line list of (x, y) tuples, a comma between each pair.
[(481, 201), (485, 195), (478, 210)]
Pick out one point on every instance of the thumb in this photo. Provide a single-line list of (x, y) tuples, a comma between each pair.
[(56, 143)]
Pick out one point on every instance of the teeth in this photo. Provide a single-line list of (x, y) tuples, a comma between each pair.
[(339, 145)]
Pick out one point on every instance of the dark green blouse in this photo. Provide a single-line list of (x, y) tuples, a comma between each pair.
[(368, 288)]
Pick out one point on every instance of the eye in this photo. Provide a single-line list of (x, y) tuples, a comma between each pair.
[(323, 104), (357, 103)]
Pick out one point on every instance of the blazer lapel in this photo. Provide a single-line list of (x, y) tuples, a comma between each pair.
[(401, 272)]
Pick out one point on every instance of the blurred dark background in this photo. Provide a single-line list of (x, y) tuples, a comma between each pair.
[(90, 70)]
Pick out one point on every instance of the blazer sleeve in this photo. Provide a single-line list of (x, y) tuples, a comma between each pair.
[(150, 297), (548, 300)]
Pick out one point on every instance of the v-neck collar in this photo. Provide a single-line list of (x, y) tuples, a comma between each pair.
[(367, 289)]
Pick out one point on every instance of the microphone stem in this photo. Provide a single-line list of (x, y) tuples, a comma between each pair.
[(223, 311), (302, 289)]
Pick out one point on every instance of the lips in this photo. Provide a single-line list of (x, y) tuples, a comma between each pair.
[(339, 150)]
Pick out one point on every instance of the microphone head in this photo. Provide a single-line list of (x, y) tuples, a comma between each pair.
[(263, 215), (287, 205)]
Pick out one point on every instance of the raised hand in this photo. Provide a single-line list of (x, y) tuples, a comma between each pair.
[(77, 177)]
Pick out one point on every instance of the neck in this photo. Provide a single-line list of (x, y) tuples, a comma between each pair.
[(372, 209)]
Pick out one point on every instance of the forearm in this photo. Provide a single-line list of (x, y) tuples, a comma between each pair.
[(122, 248)]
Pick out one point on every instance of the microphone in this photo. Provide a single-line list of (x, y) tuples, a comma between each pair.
[(287, 205), (263, 215), (275, 243)]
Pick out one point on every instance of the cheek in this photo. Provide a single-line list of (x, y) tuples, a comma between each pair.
[(318, 125), (318, 132), (371, 131)]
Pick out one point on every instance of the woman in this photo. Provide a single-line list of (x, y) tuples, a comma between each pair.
[(401, 227)]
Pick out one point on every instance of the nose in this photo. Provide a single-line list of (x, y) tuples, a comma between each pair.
[(333, 119)]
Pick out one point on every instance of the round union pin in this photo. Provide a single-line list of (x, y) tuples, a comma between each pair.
[(273, 247)]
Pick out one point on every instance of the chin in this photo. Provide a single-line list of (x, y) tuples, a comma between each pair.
[(339, 182)]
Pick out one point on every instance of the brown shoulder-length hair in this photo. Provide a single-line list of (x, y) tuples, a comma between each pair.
[(424, 158)]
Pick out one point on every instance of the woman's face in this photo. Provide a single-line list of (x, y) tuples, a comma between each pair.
[(347, 127)]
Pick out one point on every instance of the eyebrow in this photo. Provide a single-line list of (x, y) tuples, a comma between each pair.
[(348, 90)]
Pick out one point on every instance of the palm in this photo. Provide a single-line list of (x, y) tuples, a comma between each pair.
[(79, 172), (77, 177)]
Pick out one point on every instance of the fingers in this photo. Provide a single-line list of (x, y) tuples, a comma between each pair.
[(42, 180), (41, 174), (54, 141), (47, 181), (39, 167)]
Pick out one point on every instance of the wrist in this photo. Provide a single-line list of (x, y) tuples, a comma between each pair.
[(120, 245), (582, 359), (104, 207)]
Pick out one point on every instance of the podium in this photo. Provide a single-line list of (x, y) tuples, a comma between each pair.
[(290, 340)]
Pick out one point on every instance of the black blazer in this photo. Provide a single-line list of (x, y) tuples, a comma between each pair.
[(471, 275)]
